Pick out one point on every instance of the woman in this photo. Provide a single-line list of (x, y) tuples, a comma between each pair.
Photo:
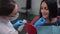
[(48, 13), (48, 21), (8, 11)]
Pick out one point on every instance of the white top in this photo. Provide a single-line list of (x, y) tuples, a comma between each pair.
[(6, 27)]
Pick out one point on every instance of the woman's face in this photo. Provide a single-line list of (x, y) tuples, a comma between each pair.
[(44, 10)]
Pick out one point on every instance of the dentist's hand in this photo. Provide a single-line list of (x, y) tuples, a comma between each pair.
[(39, 22), (19, 23)]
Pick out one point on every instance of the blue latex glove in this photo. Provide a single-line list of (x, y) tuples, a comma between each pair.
[(18, 23), (39, 22)]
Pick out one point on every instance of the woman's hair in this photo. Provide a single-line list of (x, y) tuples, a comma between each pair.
[(6, 7), (52, 6)]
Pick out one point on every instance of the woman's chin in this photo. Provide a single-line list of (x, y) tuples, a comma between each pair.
[(45, 16)]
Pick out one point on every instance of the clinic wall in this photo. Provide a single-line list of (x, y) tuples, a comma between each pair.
[(21, 4), (35, 7)]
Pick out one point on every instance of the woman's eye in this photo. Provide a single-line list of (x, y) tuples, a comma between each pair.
[(46, 8), (41, 8)]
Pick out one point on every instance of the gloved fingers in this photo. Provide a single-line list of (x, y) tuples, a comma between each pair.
[(42, 19), (39, 22), (19, 21)]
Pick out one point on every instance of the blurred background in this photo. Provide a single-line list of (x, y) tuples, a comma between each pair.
[(28, 9)]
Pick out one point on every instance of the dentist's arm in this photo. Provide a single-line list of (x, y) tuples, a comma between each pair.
[(39, 22)]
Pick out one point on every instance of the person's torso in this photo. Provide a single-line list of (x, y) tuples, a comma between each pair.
[(52, 28), (48, 29), (7, 28)]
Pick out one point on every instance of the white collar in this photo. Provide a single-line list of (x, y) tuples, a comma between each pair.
[(3, 20)]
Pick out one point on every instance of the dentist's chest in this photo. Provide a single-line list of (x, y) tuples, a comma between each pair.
[(7, 28)]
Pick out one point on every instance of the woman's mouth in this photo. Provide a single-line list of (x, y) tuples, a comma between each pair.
[(45, 15)]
